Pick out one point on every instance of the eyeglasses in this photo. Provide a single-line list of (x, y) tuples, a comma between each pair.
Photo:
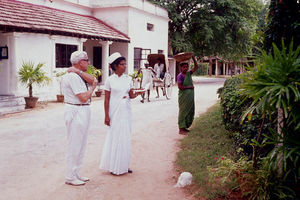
[(87, 60), (123, 64)]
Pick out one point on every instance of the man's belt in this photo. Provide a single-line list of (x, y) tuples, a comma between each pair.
[(83, 104)]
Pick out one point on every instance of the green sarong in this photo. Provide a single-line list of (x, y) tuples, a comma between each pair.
[(186, 103)]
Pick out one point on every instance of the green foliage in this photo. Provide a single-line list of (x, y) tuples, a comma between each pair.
[(273, 86), (233, 106), (207, 140), (274, 83), (58, 75), (287, 154), (92, 70), (180, 14), (283, 23), (30, 74), (255, 184), (202, 70), (136, 75), (223, 27)]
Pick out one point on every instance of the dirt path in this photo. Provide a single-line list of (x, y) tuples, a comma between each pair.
[(32, 150)]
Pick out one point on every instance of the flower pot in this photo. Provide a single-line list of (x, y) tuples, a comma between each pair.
[(98, 93), (60, 98), (30, 102)]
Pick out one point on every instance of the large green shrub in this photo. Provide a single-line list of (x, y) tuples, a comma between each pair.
[(274, 87), (233, 106)]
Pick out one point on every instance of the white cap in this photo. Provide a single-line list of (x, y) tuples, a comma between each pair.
[(114, 57)]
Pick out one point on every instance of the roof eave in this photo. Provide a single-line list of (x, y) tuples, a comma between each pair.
[(9, 28)]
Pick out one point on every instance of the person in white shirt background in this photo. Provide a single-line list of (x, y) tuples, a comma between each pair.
[(147, 79), (159, 68)]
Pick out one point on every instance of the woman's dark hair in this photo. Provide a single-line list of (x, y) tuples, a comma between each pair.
[(116, 63), (184, 63)]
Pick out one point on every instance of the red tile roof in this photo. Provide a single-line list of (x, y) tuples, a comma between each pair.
[(18, 16)]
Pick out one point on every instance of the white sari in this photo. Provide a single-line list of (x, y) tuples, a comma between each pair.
[(117, 148)]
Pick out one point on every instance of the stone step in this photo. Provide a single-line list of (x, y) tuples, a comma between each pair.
[(11, 109), (11, 104), (10, 101)]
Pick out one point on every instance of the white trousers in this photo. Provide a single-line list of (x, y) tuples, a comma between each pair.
[(77, 120)]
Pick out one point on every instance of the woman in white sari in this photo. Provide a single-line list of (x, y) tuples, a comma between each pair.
[(118, 92)]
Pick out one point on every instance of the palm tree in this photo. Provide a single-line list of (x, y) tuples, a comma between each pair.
[(30, 74), (274, 87)]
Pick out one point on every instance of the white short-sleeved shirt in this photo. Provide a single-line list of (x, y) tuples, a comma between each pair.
[(116, 84), (158, 69), (147, 78), (72, 85), (119, 88)]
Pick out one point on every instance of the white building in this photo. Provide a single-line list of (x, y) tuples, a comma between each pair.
[(48, 31)]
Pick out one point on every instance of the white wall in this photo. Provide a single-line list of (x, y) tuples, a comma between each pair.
[(139, 4), (89, 44), (116, 17), (141, 37), (122, 48), (128, 16), (131, 17), (4, 68), (67, 5), (40, 48)]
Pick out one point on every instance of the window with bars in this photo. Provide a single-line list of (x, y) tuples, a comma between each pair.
[(139, 55), (63, 53)]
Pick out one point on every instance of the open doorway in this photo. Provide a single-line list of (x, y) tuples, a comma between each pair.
[(97, 59)]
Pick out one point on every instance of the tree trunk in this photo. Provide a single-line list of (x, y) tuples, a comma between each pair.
[(256, 149), (30, 90), (280, 125)]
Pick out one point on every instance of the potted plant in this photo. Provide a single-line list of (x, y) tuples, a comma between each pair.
[(58, 75), (96, 73), (136, 78), (30, 74)]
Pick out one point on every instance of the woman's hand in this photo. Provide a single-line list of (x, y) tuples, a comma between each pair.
[(140, 91), (135, 92), (107, 121)]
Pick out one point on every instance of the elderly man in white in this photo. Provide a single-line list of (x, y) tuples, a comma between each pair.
[(77, 114)]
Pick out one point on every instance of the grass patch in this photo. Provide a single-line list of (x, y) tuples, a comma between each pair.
[(207, 141)]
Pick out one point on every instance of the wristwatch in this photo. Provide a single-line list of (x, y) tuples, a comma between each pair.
[(80, 72)]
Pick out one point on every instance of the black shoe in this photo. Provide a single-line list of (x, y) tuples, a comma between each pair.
[(129, 171)]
